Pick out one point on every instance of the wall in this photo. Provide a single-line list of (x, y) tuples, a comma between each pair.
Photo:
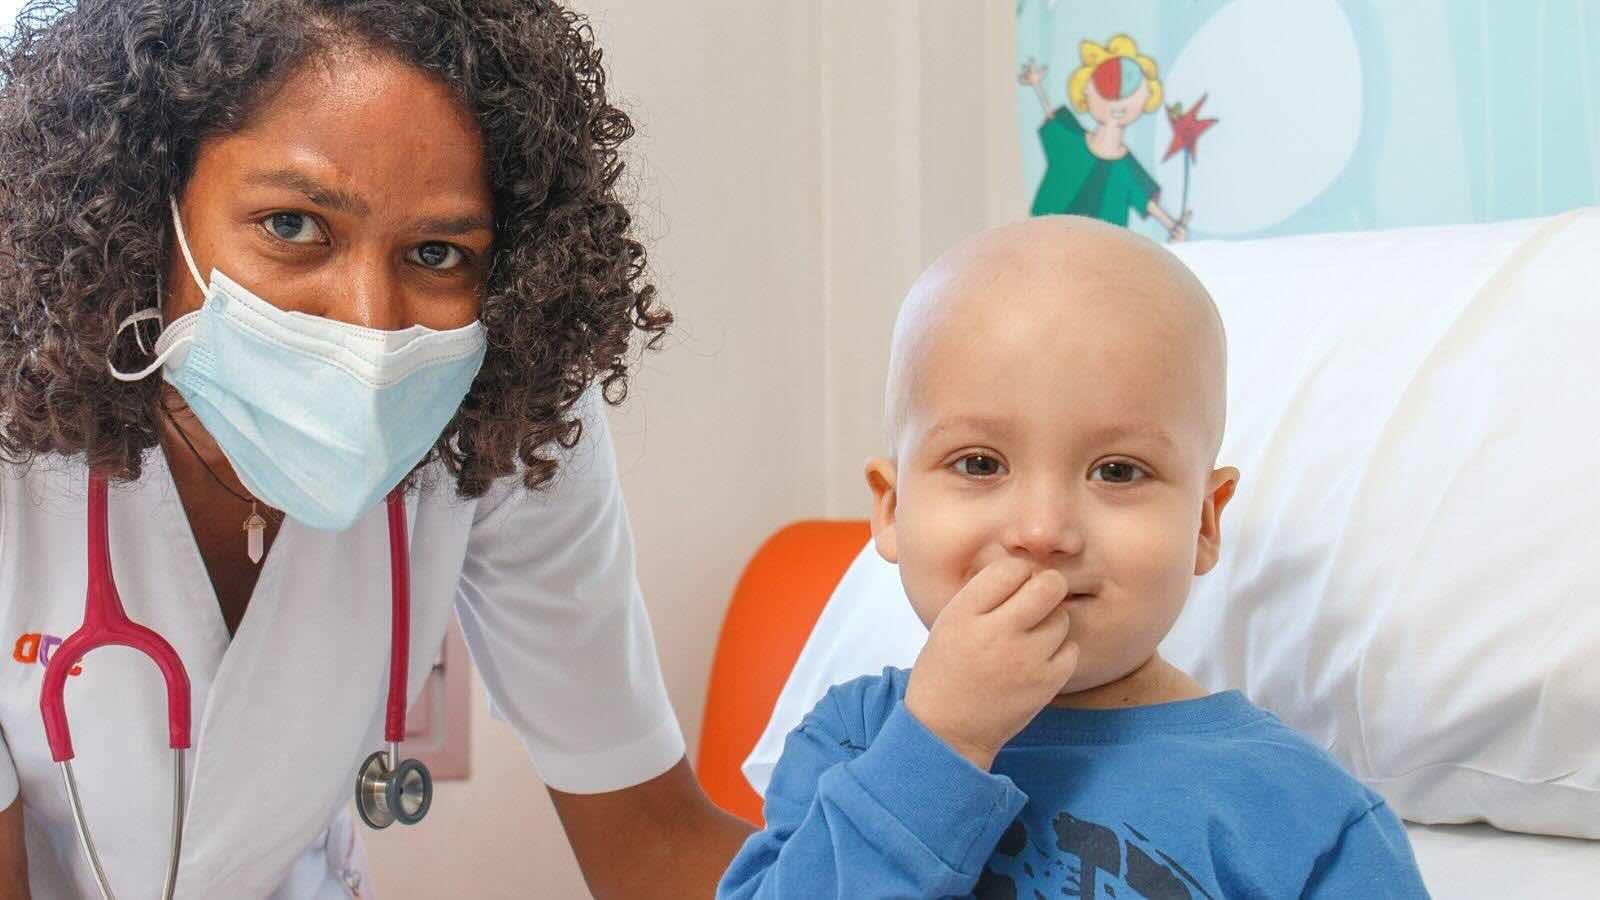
[(797, 165), (920, 149), (1346, 115)]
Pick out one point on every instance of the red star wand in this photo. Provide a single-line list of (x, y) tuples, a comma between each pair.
[(1186, 130)]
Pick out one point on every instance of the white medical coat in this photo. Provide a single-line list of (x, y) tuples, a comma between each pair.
[(284, 713)]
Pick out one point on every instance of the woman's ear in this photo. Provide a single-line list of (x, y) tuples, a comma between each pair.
[(1219, 490), (881, 475)]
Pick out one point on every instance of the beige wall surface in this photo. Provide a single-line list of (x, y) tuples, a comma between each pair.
[(797, 164)]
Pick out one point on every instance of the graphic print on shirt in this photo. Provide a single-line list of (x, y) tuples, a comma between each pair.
[(36, 647), (1083, 859)]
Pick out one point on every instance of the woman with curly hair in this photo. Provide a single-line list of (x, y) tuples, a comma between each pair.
[(265, 262)]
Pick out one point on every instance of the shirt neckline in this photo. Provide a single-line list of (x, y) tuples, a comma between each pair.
[(1062, 725)]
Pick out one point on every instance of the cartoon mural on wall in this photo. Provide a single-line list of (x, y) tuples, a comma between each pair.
[(1186, 130), (1335, 115), (1091, 172)]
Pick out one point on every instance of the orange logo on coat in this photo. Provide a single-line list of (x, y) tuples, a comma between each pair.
[(36, 647)]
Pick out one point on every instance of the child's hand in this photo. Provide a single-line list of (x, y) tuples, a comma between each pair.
[(1179, 232), (1031, 74), (996, 655)]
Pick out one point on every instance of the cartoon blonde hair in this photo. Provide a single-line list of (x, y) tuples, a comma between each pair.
[(1123, 47)]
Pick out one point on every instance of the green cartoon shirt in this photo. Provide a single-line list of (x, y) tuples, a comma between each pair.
[(1080, 183)]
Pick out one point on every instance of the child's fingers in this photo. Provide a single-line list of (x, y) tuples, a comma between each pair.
[(1034, 600), (1064, 661), (1054, 627), (991, 587)]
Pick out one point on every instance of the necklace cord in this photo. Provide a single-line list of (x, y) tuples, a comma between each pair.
[(203, 464)]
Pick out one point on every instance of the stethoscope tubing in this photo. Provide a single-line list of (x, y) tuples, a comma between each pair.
[(81, 825), (106, 623)]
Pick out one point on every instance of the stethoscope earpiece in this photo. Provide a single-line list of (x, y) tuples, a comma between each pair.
[(386, 795)]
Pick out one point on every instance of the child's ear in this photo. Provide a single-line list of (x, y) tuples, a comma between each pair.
[(1219, 490), (881, 474)]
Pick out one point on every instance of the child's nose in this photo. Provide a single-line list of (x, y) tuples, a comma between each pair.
[(1044, 527)]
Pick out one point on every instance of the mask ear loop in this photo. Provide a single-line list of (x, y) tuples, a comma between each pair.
[(183, 244), (171, 339), (141, 316), (173, 336)]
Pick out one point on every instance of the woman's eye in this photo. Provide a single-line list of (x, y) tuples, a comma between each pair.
[(438, 256), (1117, 473), (293, 227), (978, 465)]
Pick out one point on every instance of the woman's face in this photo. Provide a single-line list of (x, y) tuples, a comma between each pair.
[(358, 192)]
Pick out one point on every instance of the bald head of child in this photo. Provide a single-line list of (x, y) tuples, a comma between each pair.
[(1057, 394)]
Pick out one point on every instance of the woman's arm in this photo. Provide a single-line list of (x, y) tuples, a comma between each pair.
[(662, 838), (13, 854)]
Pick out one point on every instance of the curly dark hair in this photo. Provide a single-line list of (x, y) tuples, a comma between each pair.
[(103, 104)]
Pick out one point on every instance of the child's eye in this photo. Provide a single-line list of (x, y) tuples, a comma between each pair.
[(1118, 473), (296, 228), (979, 465)]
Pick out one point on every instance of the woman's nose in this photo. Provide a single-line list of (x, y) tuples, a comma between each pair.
[(371, 296)]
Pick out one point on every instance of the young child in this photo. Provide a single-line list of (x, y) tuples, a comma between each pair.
[(1056, 402)]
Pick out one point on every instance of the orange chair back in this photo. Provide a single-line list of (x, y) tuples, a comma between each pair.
[(777, 601)]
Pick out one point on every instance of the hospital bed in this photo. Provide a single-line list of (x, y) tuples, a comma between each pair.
[(1410, 572)]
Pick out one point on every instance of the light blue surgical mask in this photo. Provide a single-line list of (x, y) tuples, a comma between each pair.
[(318, 418)]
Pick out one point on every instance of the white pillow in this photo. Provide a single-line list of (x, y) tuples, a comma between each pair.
[(1411, 565)]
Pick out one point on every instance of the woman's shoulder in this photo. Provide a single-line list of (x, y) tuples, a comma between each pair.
[(42, 481), (584, 483)]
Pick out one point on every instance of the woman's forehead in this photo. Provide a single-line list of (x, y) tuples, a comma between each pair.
[(363, 123)]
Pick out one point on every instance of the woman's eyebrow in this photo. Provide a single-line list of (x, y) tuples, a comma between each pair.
[(352, 203), (315, 191), (455, 225)]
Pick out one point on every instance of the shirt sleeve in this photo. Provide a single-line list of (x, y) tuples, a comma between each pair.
[(1068, 121), (867, 624), (552, 613), (1057, 133), (1372, 858), (1143, 188), (9, 789), (904, 817)]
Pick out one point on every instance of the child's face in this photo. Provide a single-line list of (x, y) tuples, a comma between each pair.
[(1121, 112), (1066, 415)]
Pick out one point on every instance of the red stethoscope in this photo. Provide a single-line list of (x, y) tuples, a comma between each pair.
[(388, 789)]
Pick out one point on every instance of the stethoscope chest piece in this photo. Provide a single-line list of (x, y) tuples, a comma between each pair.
[(385, 794), (390, 789)]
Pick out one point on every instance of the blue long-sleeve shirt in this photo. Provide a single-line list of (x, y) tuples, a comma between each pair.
[(1207, 798)]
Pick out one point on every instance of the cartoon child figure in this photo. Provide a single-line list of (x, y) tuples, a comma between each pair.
[(1091, 173)]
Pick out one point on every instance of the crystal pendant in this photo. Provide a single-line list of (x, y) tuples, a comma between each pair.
[(255, 530)]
